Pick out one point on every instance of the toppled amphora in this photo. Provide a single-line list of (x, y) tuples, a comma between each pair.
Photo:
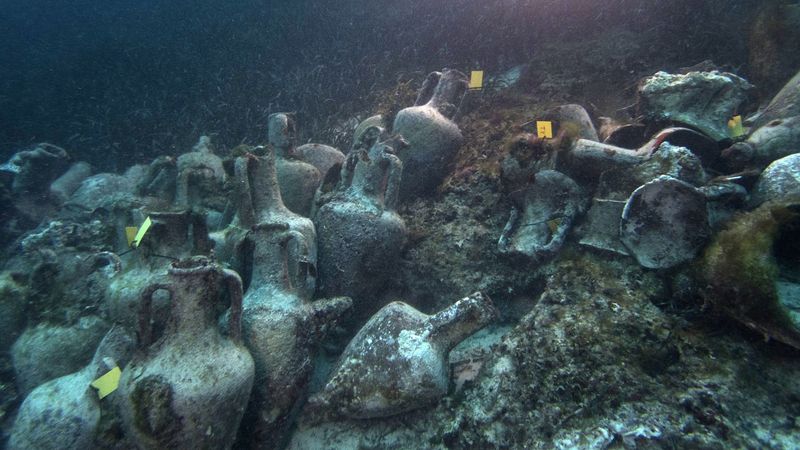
[(398, 361)]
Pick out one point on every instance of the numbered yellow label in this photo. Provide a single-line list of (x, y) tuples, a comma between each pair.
[(476, 79), (130, 234), (107, 383), (544, 129), (735, 126), (141, 232)]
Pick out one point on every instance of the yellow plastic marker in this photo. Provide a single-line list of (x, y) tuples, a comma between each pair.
[(130, 234), (107, 383), (476, 80), (735, 125), (140, 234), (544, 129)]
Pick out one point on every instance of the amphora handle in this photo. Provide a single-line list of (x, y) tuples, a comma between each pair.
[(146, 311), (234, 285)]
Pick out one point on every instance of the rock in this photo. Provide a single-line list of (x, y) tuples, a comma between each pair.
[(780, 181), (49, 351), (774, 140), (772, 37), (398, 361), (549, 206), (433, 138), (65, 412), (665, 223), (702, 100)]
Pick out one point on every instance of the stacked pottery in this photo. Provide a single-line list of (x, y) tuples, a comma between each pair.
[(65, 412), (298, 179), (281, 327), (433, 137), (360, 234), (188, 389), (172, 235), (260, 201), (200, 175)]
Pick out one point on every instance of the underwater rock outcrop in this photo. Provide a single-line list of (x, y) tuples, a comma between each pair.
[(360, 234), (398, 361), (65, 412), (433, 138), (189, 388), (702, 100)]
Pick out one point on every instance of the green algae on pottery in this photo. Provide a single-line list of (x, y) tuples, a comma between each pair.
[(746, 274)]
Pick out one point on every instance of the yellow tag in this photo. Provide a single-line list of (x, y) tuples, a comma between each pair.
[(130, 234), (140, 234), (476, 79), (107, 383), (735, 125), (544, 129)]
